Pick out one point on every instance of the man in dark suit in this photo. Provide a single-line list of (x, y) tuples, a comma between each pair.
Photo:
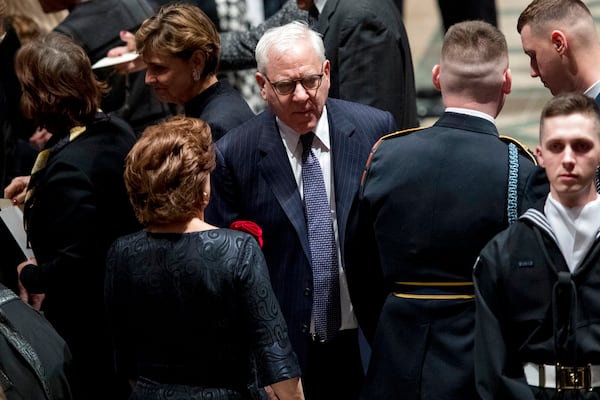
[(260, 177), (366, 43), (371, 61), (429, 201)]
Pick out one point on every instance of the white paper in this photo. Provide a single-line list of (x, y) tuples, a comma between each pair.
[(12, 216), (109, 61)]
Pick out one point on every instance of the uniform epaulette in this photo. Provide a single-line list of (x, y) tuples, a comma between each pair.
[(381, 139), (403, 132), (523, 149), (400, 133)]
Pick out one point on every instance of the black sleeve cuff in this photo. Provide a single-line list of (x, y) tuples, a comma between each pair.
[(32, 279)]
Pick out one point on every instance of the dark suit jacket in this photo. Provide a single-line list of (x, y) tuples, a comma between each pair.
[(430, 201), (370, 56), (254, 180)]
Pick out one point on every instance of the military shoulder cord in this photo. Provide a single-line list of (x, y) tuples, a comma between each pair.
[(513, 175)]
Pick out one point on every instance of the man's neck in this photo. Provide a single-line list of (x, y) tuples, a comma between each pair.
[(573, 200)]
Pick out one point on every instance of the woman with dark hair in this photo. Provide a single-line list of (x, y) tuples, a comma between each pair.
[(180, 46), (191, 307), (75, 204)]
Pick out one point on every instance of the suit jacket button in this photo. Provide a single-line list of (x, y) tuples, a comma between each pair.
[(304, 328), (307, 291)]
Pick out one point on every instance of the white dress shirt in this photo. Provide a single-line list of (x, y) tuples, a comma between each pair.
[(575, 228), (322, 151), (593, 91)]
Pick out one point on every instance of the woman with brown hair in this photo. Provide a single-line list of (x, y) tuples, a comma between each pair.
[(191, 307), (180, 46), (75, 205)]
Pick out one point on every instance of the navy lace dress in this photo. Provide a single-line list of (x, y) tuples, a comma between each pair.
[(193, 316)]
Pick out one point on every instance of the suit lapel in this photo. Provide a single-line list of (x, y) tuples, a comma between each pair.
[(275, 168), (348, 153), (323, 22)]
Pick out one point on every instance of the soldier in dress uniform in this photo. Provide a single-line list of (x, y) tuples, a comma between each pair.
[(429, 200)]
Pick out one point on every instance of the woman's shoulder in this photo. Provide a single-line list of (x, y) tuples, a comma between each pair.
[(233, 236), (105, 126)]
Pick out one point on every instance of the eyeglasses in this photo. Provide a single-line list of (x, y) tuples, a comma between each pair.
[(287, 86)]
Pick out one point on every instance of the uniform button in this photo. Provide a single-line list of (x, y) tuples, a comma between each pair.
[(307, 291), (304, 328)]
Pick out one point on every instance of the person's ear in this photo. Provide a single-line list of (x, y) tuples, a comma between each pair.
[(261, 81), (507, 83), (327, 67), (539, 156), (559, 41), (198, 61), (435, 76), (206, 192)]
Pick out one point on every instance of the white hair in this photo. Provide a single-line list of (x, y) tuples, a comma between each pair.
[(284, 38)]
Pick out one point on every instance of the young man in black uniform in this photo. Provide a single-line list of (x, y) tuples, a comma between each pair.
[(536, 284)]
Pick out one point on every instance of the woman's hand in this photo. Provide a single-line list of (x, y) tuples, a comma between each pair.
[(131, 66), (17, 189)]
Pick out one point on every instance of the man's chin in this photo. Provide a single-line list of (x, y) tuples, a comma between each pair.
[(302, 125)]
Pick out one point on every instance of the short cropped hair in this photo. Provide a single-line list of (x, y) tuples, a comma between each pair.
[(571, 103), (474, 42), (474, 58), (60, 89), (180, 30), (540, 12), (284, 38), (167, 168)]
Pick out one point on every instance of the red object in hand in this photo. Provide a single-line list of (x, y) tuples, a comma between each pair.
[(249, 227)]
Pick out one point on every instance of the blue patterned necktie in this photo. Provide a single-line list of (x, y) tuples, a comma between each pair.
[(326, 287)]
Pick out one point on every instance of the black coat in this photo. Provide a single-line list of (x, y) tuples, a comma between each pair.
[(34, 359), (78, 208), (13, 125), (371, 61), (515, 278)]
